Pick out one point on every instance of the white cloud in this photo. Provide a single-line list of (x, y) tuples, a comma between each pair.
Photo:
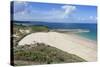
[(89, 19), (62, 13), (92, 18), (68, 9), (20, 2)]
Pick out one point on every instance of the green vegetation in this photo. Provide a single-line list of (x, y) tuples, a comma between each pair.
[(40, 53), (32, 28), (21, 31), (40, 28)]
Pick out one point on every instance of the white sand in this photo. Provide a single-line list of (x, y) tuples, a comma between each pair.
[(71, 43)]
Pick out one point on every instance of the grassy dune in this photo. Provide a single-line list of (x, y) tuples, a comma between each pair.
[(40, 53)]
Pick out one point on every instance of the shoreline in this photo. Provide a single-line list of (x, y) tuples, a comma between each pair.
[(71, 43), (81, 37)]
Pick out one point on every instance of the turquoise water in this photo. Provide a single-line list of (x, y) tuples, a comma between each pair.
[(89, 35)]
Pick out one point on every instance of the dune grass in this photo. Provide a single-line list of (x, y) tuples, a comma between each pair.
[(42, 54)]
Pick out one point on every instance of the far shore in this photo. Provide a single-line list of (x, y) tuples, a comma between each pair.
[(72, 43)]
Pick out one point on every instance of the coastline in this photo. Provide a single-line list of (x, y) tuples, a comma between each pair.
[(81, 37), (71, 43)]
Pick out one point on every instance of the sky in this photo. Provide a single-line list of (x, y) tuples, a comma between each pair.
[(49, 12)]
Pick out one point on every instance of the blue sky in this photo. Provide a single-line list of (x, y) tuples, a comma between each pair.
[(61, 13)]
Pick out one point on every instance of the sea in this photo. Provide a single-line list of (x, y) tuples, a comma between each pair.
[(92, 27)]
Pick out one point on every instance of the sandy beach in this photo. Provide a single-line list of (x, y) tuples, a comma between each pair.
[(71, 43)]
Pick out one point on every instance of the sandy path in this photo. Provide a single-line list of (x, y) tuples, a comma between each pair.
[(71, 43)]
